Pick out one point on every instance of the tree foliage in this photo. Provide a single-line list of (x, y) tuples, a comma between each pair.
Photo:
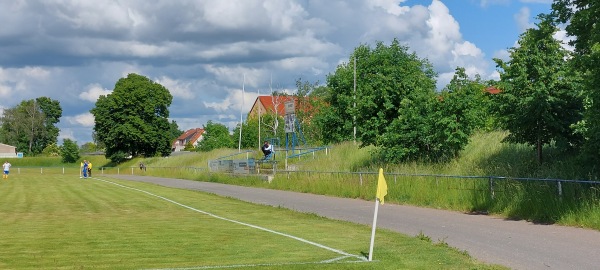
[(582, 17), (460, 110), (216, 136), (133, 119), (51, 150), (30, 126), (69, 151), (540, 100), (309, 102), (88, 147), (250, 138), (174, 130), (396, 107), (394, 96)]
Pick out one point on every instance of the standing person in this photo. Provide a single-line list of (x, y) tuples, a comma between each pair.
[(6, 167), (84, 170), (267, 150), (89, 168)]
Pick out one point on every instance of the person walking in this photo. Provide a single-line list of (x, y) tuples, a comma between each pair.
[(6, 168), (84, 170)]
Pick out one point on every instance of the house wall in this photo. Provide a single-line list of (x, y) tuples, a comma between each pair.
[(7, 151), (254, 111)]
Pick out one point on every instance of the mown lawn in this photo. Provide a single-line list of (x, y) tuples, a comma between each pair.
[(56, 221)]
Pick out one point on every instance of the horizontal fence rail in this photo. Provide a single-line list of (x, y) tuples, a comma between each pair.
[(493, 184)]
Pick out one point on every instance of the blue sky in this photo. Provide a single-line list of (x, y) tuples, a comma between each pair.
[(495, 25), (74, 51)]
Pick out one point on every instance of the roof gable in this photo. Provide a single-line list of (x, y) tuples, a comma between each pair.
[(191, 135)]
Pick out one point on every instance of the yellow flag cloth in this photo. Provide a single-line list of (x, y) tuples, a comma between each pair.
[(381, 186)]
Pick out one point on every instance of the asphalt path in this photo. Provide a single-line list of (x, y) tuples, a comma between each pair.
[(515, 244)]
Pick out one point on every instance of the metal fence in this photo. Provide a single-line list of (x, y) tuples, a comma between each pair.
[(488, 184), (493, 184)]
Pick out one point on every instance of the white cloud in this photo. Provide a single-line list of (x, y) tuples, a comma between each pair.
[(85, 119), (443, 29), (502, 54), (537, 1), (238, 75), (486, 3), (237, 101), (93, 92), (522, 19), (177, 88), (563, 37), (390, 6), (4, 90)]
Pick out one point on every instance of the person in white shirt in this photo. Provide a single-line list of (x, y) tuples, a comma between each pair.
[(6, 168), (267, 150)]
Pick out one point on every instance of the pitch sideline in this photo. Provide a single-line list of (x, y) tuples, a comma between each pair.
[(344, 254)]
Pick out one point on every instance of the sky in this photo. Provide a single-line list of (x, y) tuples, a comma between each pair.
[(216, 56)]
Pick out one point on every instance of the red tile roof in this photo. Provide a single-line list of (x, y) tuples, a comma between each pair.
[(269, 103), (493, 90), (192, 135)]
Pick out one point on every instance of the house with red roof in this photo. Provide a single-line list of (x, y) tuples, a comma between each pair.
[(192, 136), (276, 105), (269, 105)]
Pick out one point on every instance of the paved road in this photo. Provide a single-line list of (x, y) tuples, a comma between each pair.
[(516, 244)]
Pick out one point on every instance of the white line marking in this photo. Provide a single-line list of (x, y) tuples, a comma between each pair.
[(239, 222), (249, 265)]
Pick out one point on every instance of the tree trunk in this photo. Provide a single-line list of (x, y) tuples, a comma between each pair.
[(539, 151)]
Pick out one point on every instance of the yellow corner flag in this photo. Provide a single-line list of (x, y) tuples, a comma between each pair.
[(381, 186)]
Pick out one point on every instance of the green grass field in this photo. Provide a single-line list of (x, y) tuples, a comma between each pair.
[(59, 221)]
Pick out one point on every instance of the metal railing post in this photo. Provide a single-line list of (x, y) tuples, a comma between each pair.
[(559, 188), (492, 188)]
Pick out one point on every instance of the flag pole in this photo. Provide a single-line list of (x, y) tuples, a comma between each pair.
[(373, 230), (379, 198)]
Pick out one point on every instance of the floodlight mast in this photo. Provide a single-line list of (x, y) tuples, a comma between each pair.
[(241, 109), (354, 116)]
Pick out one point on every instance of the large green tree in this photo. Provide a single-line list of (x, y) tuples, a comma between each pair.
[(174, 130), (30, 126), (461, 109), (216, 136), (69, 151), (391, 106), (540, 98), (133, 119), (582, 19)]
